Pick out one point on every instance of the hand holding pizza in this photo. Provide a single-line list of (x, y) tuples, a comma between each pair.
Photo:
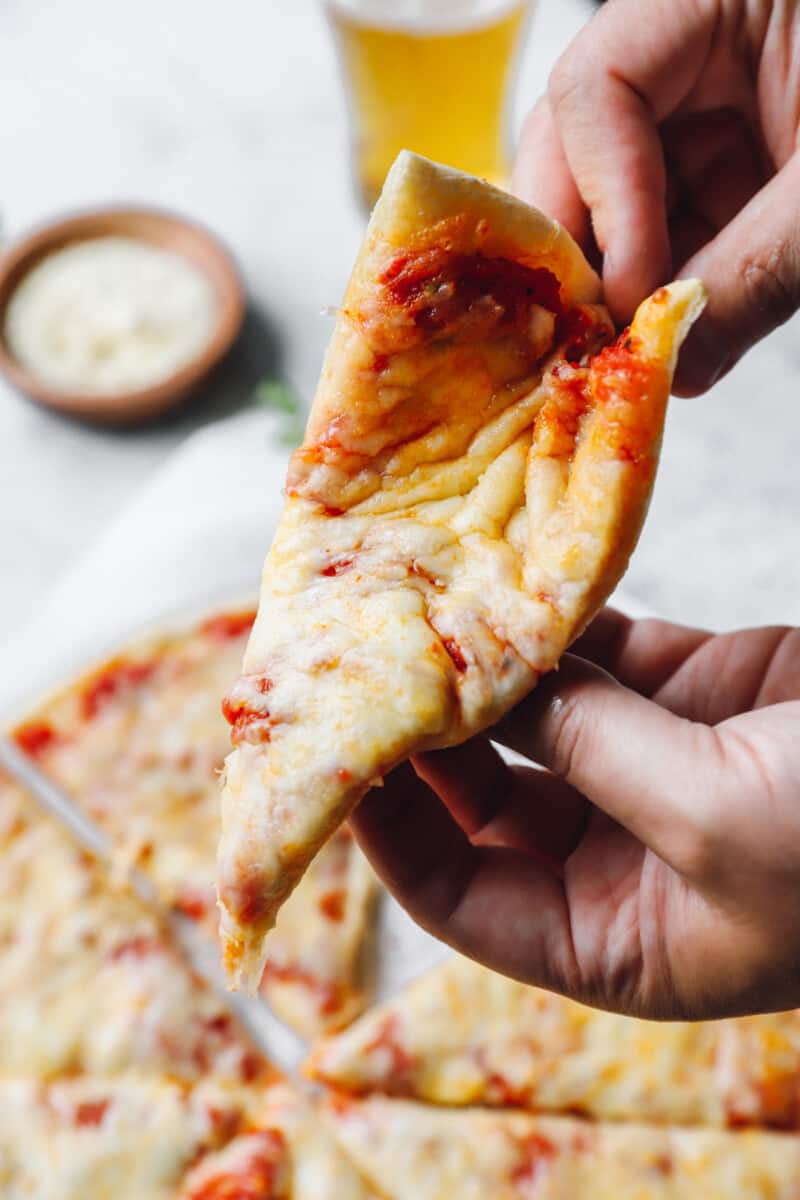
[(654, 868), (670, 132)]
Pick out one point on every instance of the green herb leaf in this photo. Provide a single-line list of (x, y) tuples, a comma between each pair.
[(275, 394), (281, 398)]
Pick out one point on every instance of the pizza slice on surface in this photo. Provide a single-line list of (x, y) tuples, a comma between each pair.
[(474, 475), (409, 1149), (139, 742), (320, 1168), (464, 1035), (90, 981), (133, 1138)]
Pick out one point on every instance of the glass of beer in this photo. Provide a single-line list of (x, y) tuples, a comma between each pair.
[(431, 76)]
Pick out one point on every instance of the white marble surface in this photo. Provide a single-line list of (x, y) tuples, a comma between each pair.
[(233, 114)]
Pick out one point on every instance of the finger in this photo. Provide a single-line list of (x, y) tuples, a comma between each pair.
[(717, 161), (658, 775), (495, 804), (750, 669), (642, 655), (495, 905), (542, 176), (620, 78), (752, 273)]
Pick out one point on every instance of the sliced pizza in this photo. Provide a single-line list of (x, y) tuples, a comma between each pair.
[(131, 1138), (90, 981), (408, 1149), (474, 475), (137, 1139), (320, 1169), (465, 1035), (139, 742)]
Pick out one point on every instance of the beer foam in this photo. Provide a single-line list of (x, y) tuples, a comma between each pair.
[(426, 16)]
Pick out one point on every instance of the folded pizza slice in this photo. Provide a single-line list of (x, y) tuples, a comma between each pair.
[(407, 1149), (464, 1035), (138, 742), (473, 478)]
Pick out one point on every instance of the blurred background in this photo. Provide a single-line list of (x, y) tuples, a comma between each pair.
[(235, 115)]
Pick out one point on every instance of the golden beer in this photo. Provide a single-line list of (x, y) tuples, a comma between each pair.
[(431, 76)]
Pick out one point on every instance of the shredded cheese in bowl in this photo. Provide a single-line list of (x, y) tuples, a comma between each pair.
[(109, 315)]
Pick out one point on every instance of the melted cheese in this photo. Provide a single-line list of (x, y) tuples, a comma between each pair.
[(466, 496), (89, 979), (123, 1139), (464, 1035), (139, 742), (434, 1154)]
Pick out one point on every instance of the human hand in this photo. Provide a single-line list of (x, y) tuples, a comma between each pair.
[(669, 134), (654, 868)]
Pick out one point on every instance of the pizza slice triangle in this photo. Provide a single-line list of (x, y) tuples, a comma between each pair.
[(138, 742), (91, 982), (462, 1034), (408, 1149), (474, 475)]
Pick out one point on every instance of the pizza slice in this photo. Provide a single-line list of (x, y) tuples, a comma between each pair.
[(406, 1149), (139, 742), (90, 981), (464, 1035), (474, 475), (137, 1139), (320, 1169), (132, 1138)]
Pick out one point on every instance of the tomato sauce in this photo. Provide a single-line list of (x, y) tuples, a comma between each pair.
[(226, 626), (36, 737), (112, 681)]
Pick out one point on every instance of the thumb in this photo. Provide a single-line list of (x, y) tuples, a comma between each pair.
[(655, 773), (751, 270)]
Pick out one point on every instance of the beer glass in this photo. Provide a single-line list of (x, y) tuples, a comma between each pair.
[(431, 76)]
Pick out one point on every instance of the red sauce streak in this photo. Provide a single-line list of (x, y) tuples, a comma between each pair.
[(337, 568), (664, 1165), (417, 569), (343, 775), (251, 1066), (621, 382), (454, 650), (333, 904), (439, 290), (259, 1177), (398, 1077), (35, 737), (226, 1122), (117, 677), (536, 1152), (329, 511), (249, 724), (220, 1024), (327, 996), (228, 625), (137, 947), (193, 905), (91, 1112)]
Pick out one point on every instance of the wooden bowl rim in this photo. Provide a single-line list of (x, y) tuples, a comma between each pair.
[(126, 220)]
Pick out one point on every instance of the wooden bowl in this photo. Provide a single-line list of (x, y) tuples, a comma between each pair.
[(162, 229)]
